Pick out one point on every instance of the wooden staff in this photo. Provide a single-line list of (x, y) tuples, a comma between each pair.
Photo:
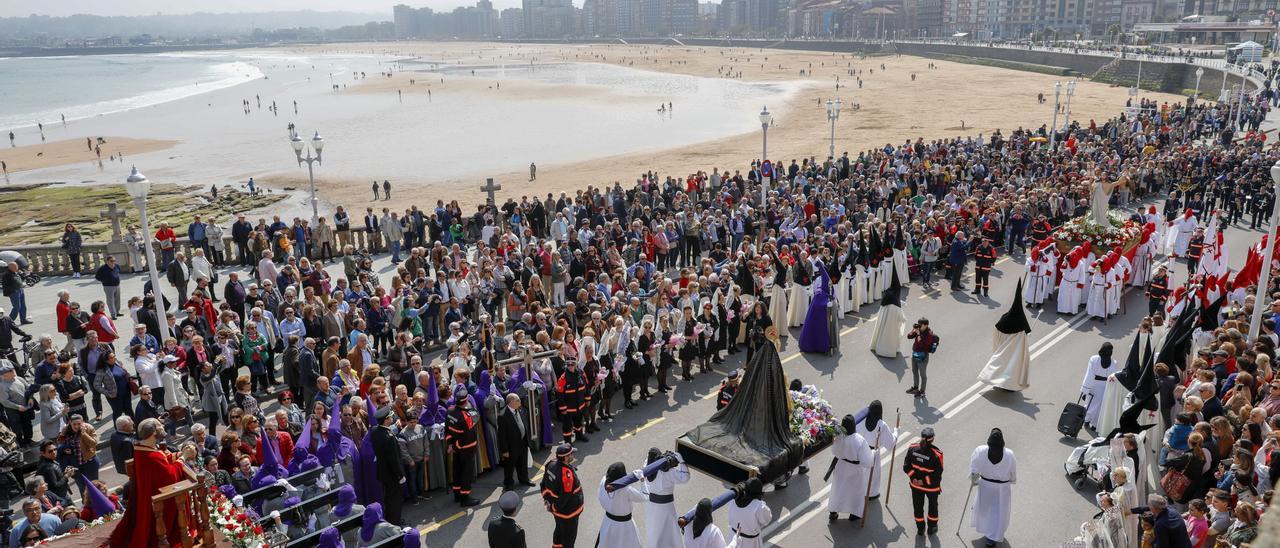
[(893, 455)]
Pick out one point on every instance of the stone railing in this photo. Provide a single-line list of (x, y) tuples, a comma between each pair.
[(52, 260)]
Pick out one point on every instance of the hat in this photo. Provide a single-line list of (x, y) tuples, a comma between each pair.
[(510, 502), (733, 374), (460, 391), (6, 367), (1220, 352), (564, 450), (382, 412), (927, 433)]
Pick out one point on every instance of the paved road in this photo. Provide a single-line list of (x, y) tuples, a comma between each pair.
[(1047, 509)]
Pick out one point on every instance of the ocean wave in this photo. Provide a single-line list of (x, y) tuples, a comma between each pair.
[(219, 76)]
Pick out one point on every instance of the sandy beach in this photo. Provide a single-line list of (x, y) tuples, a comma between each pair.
[(949, 100), (70, 151), (437, 119)]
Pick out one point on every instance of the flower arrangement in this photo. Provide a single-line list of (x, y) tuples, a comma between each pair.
[(812, 419), (236, 524), (1118, 232)]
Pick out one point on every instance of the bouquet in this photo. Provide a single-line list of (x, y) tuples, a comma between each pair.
[(235, 524), (812, 419)]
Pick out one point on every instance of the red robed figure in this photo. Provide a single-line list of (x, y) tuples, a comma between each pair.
[(152, 469)]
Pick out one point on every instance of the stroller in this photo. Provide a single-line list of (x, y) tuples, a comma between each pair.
[(24, 267), (1089, 466)]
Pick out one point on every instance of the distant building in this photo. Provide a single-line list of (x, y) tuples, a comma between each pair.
[(511, 23)]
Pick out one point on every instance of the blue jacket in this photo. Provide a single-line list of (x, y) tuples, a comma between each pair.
[(959, 252), (108, 275)]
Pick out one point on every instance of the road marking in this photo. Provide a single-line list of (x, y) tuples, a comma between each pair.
[(434, 526), (959, 397), (803, 510), (537, 476), (651, 422)]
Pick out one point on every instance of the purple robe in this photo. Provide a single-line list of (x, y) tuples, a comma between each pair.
[(517, 382), (366, 468), (815, 335)]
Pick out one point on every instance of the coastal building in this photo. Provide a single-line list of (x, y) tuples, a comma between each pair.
[(511, 23), (478, 21)]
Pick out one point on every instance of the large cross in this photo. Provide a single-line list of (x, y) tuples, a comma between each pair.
[(491, 187), (115, 214)]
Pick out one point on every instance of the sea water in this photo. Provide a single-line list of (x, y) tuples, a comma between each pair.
[(585, 111), (44, 89)]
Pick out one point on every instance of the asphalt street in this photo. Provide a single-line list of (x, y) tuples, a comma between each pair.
[(1047, 510)]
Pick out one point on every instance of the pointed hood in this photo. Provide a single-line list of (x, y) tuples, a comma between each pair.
[(1014, 319), (864, 252), (412, 538), (270, 458), (98, 501), (372, 517), (1177, 343), (304, 440), (346, 499), (1208, 320), (893, 295), (330, 538), (1128, 376)]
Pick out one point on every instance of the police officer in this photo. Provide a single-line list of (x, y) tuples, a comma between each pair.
[(923, 467), (984, 258), (1158, 291), (572, 388), (727, 389), (562, 494)]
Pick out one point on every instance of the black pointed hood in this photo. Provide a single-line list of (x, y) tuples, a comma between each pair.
[(876, 249), (893, 295), (1208, 319), (1128, 377), (864, 252), (1177, 343), (1014, 319)]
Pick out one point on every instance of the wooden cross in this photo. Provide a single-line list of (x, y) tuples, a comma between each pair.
[(115, 214), (491, 187)]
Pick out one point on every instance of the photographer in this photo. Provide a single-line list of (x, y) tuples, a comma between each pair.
[(924, 342)]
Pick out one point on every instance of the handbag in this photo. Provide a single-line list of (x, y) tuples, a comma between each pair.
[(133, 386), (1175, 483), (178, 413)]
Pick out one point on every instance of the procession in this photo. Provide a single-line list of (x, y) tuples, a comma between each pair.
[(691, 346)]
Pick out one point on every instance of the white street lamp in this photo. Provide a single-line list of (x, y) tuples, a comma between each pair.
[(317, 144), (765, 119), (1053, 128), (1199, 73), (833, 114), (138, 187), (1071, 91), (1259, 304)]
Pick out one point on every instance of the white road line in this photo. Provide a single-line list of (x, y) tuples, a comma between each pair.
[(817, 499), (960, 397)]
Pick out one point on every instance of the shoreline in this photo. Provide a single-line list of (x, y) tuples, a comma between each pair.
[(71, 151)]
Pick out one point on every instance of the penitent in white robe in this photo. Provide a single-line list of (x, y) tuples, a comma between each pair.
[(660, 518), (1115, 285), (711, 537), (1070, 292), (797, 304), (881, 440), (619, 534), (1099, 299), (1094, 387), (993, 504), (849, 481), (1010, 365), (858, 287), (1180, 231), (891, 325), (873, 289), (900, 265), (1114, 399), (778, 309), (749, 520), (1040, 276), (1142, 259)]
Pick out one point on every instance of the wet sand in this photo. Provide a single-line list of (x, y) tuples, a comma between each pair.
[(950, 100), (71, 151)]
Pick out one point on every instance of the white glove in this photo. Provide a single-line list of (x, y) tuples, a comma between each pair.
[(403, 481), (311, 522), (323, 482), (528, 385), (973, 478), (237, 501), (275, 514)]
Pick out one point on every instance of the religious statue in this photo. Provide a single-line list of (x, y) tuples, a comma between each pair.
[(1101, 196)]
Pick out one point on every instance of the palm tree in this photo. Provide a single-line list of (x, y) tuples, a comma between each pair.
[(1114, 30)]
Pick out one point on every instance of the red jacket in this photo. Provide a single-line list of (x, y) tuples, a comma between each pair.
[(95, 324), (63, 310)]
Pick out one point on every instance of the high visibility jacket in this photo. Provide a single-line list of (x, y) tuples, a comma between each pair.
[(923, 466), (561, 488), (572, 388), (460, 431)]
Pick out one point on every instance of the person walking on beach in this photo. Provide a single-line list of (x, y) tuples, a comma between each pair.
[(386, 189), (533, 171), (375, 191), (87, 142), (11, 144)]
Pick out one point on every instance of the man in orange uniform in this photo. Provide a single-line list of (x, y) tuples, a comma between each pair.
[(562, 493), (923, 466)]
